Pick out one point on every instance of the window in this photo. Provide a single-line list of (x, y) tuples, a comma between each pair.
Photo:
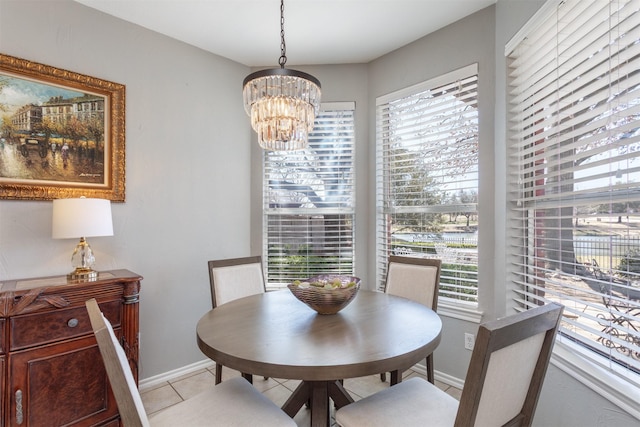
[(427, 178), (574, 76), (309, 205)]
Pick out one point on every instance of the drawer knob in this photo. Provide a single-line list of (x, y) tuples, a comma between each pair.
[(72, 323)]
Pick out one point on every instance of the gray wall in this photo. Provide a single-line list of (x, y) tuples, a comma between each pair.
[(193, 172), (472, 39), (187, 168), (564, 401), (192, 166)]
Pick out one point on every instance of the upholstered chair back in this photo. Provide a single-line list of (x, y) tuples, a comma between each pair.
[(414, 278), (235, 278)]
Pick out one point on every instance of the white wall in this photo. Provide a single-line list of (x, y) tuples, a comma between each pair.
[(187, 168)]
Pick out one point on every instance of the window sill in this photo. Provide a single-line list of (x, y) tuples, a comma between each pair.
[(577, 362), (459, 310)]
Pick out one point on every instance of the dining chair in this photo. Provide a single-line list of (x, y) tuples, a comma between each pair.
[(502, 386), (416, 279), (231, 279), (235, 402)]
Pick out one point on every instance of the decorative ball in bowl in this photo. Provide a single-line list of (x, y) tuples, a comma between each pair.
[(326, 294)]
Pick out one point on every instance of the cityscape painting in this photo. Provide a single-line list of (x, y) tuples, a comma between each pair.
[(61, 133)]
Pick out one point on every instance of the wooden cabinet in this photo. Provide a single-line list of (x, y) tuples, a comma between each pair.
[(51, 371)]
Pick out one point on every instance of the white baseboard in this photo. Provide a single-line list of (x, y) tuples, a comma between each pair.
[(449, 380), (156, 380), (151, 382), (439, 376)]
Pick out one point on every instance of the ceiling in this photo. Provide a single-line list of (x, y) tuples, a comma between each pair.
[(316, 31)]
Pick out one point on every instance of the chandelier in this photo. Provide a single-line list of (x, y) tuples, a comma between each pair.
[(282, 103)]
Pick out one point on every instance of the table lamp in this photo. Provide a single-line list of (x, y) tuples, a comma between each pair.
[(82, 218)]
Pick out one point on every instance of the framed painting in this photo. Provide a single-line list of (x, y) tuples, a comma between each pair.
[(62, 134)]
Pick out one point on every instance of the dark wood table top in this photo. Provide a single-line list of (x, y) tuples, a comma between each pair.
[(275, 335)]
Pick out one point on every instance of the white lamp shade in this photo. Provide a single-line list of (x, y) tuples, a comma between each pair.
[(75, 218)]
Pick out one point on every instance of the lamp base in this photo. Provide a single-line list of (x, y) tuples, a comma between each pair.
[(83, 274)]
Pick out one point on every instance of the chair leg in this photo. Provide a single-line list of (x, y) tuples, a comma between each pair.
[(396, 377), (248, 377), (218, 373), (429, 366)]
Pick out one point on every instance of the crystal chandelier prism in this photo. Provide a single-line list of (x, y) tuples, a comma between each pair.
[(282, 103)]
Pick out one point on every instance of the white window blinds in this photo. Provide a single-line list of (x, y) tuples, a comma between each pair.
[(427, 178), (309, 202), (574, 173)]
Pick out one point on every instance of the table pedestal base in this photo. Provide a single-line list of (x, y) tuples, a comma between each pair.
[(318, 394)]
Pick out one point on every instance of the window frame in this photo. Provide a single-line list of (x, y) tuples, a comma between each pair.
[(590, 367), (462, 82), (278, 275)]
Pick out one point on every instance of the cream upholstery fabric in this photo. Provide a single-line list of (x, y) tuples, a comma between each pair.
[(507, 381), (117, 368), (415, 282), (237, 281), (126, 371), (419, 402), (502, 385), (232, 403)]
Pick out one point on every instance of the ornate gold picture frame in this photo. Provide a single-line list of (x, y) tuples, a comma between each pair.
[(62, 134)]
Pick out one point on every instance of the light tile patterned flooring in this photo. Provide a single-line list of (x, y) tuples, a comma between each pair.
[(164, 395)]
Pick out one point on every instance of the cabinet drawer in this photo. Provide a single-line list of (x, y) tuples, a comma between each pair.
[(46, 327)]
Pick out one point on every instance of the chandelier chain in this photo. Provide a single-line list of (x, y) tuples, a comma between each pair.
[(283, 46), (281, 103)]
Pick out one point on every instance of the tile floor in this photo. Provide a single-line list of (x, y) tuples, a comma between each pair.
[(164, 395)]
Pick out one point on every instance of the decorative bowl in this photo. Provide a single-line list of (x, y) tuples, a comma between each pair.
[(327, 293)]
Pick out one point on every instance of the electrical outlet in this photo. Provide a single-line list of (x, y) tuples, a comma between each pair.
[(469, 341)]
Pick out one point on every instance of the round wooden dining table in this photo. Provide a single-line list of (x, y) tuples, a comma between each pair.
[(275, 335)]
